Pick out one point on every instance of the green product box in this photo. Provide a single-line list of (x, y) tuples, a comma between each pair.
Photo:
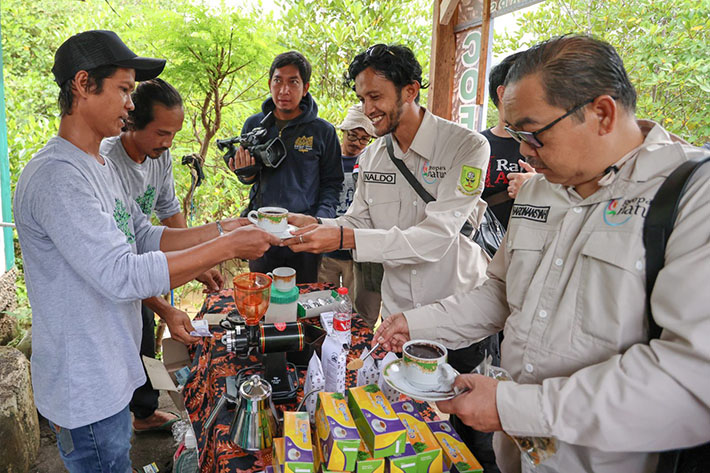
[(337, 436), (367, 464), (430, 458), (378, 424)]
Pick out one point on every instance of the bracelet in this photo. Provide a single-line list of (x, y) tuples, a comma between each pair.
[(341, 238), (219, 228), (320, 222)]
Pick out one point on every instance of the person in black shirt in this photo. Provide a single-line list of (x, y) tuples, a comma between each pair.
[(507, 169)]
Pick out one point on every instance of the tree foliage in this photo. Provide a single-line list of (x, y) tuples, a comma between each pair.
[(664, 46), (218, 58), (330, 33)]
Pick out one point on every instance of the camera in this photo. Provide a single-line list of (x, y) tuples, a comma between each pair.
[(266, 153)]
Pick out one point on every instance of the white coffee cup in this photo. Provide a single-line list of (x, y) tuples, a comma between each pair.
[(425, 365), (272, 219), (284, 278)]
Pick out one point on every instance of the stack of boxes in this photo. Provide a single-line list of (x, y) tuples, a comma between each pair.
[(364, 433)]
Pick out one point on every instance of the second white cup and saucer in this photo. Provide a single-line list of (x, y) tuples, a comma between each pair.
[(273, 220), (423, 372)]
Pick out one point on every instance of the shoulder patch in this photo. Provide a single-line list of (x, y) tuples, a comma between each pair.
[(469, 180)]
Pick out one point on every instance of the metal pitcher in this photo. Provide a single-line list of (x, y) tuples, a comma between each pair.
[(254, 425)]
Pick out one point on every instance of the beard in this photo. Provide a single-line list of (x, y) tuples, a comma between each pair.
[(394, 115)]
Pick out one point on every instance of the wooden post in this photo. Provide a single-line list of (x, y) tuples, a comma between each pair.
[(441, 68), (483, 58)]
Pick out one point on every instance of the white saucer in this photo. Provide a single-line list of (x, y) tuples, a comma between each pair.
[(395, 377), (288, 233)]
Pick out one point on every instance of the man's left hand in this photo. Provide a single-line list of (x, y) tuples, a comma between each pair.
[(476, 408), (314, 239), (212, 280), (180, 326)]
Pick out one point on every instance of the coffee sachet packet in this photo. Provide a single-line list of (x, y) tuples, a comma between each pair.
[(315, 381), (335, 355), (390, 393), (369, 373)]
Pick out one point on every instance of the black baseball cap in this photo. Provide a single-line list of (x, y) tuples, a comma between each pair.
[(95, 48)]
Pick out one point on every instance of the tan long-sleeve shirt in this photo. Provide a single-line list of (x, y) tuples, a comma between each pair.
[(568, 287), (424, 256)]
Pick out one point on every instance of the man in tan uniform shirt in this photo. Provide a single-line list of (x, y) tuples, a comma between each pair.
[(568, 284), (425, 258)]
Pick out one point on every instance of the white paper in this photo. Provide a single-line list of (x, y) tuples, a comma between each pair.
[(390, 393), (202, 328), (326, 321), (335, 354), (315, 381), (369, 373)]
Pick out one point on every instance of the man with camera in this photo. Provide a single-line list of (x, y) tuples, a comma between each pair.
[(309, 178), (91, 256)]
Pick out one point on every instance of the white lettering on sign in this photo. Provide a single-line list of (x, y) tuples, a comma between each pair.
[(468, 83)]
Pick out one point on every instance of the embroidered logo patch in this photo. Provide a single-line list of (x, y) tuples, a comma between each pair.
[(431, 173), (303, 144), (620, 211), (121, 216), (379, 177), (469, 180), (531, 212)]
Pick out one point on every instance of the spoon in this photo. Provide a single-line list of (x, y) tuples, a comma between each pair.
[(358, 363)]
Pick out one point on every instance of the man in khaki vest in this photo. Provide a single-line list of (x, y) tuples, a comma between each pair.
[(568, 283)]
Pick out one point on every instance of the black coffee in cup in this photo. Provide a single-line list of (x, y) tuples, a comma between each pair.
[(271, 212), (425, 351)]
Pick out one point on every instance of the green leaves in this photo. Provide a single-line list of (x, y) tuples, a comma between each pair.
[(664, 46)]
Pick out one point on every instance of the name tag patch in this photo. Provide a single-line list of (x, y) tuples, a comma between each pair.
[(531, 212), (379, 177)]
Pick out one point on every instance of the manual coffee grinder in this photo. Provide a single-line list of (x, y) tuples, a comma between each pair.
[(252, 292)]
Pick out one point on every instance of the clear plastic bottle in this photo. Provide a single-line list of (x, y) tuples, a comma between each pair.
[(343, 316), (187, 461)]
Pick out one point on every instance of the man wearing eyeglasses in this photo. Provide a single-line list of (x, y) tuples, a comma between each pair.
[(568, 284), (425, 257), (357, 133)]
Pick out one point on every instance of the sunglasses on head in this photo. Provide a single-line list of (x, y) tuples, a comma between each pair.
[(378, 50), (530, 137)]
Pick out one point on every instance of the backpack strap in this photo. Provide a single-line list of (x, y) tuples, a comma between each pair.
[(658, 226), (416, 185), (467, 228)]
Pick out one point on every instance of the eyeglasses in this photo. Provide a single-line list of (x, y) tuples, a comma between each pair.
[(530, 137), (364, 140), (378, 50)]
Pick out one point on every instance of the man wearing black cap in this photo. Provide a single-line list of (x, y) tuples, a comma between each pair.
[(91, 255)]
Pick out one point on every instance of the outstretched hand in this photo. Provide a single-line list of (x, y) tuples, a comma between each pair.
[(180, 326), (301, 220), (251, 242), (392, 333), (477, 407), (314, 239), (212, 280)]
